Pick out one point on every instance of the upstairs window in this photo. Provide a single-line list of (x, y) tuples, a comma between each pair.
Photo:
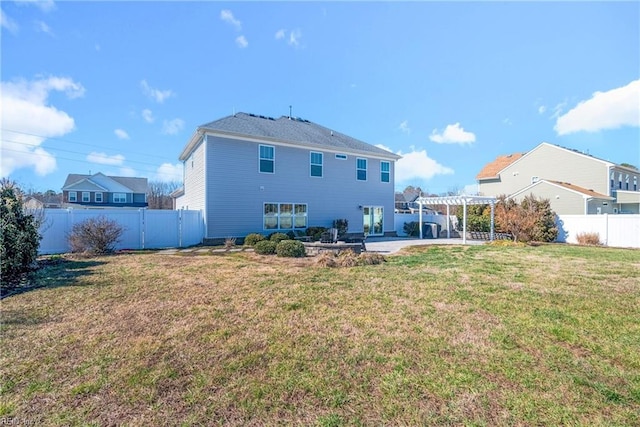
[(635, 183), (626, 182), (316, 164), (73, 196), (119, 198), (361, 169), (267, 159), (98, 197), (385, 175)]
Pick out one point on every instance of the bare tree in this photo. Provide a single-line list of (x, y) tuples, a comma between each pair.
[(159, 194)]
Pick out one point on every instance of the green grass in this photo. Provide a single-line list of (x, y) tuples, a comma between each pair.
[(447, 335)]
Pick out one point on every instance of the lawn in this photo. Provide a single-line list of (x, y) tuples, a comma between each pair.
[(437, 335)]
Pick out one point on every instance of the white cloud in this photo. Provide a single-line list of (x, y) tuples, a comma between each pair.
[(293, 39), (604, 110), (43, 28), (558, 109), (172, 127), (452, 134), (8, 23), (242, 42), (28, 120), (104, 159), (470, 189), (404, 127), (156, 94), (147, 115), (416, 165), (43, 5), (542, 109), (169, 173), (227, 16), (507, 121), (121, 134)]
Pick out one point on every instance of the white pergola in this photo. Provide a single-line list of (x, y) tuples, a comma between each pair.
[(458, 201)]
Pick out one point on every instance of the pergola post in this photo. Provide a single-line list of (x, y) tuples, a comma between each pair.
[(464, 221), (448, 224), (420, 217)]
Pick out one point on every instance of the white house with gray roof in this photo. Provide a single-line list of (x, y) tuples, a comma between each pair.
[(258, 174)]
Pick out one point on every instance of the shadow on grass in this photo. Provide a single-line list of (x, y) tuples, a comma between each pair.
[(52, 273)]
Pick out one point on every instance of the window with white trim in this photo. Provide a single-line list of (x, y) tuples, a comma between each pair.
[(315, 160), (119, 198), (73, 196), (284, 216), (267, 158), (86, 197), (635, 183), (385, 172), (341, 156), (98, 197), (361, 169)]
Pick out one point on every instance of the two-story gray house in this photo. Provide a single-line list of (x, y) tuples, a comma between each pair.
[(257, 174), (574, 182), (102, 191)]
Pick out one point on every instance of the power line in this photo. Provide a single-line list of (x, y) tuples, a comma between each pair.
[(66, 151), (80, 160), (76, 142)]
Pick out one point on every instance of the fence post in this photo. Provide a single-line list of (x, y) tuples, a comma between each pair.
[(606, 229), (142, 227), (179, 228)]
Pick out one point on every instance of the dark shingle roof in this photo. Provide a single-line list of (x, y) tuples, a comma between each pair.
[(292, 130), (136, 185)]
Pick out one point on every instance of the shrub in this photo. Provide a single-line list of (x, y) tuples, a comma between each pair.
[(347, 259), (265, 247), (229, 243), (253, 238), (370, 258), (533, 219), (278, 237), (342, 225), (315, 232), (95, 236), (326, 259), (290, 249), (592, 239), (412, 228), (19, 238)]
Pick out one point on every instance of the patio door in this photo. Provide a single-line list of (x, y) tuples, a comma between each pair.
[(373, 220)]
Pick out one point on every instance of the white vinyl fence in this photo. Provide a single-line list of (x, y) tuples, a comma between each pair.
[(402, 218), (143, 228), (621, 231)]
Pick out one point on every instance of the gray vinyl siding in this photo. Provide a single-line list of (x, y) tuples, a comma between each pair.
[(194, 181), (567, 202), (236, 191), (551, 163)]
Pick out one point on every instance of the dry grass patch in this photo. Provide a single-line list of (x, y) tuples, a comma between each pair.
[(436, 335)]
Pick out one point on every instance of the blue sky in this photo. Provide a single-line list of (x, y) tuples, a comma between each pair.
[(119, 87)]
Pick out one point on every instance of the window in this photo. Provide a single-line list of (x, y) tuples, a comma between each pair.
[(98, 197), (267, 159), (385, 174), (361, 169), (341, 156), (73, 196), (626, 182), (119, 198), (86, 197), (613, 177), (635, 183), (620, 182), (316, 164), (284, 216)]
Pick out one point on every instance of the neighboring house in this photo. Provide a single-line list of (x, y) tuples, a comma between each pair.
[(251, 173), (101, 191), (574, 182)]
